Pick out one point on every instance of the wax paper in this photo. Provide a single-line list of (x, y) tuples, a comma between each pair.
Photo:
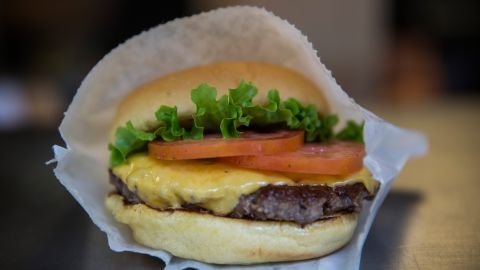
[(234, 33)]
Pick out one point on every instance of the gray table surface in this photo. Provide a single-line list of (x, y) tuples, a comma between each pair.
[(430, 219)]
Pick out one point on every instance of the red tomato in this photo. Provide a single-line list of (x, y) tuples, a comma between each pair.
[(249, 143), (336, 158)]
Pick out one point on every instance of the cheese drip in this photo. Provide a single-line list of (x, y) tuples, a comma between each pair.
[(211, 185)]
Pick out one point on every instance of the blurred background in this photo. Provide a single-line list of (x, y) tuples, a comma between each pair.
[(412, 62)]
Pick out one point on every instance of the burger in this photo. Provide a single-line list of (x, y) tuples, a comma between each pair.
[(236, 163)]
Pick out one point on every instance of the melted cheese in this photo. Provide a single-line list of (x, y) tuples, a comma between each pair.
[(212, 185), (362, 176)]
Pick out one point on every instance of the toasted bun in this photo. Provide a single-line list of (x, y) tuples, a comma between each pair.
[(174, 90), (222, 240)]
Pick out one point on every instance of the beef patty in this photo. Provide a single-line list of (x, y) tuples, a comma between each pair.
[(302, 204)]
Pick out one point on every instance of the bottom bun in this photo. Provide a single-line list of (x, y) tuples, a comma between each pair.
[(221, 240)]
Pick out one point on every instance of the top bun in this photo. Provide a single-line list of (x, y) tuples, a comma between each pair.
[(174, 90)]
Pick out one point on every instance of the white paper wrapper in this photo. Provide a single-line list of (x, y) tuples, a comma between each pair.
[(236, 33)]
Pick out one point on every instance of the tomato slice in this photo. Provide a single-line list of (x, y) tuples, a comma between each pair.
[(336, 158), (249, 143)]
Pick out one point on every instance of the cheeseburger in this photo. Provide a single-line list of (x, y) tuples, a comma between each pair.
[(236, 163)]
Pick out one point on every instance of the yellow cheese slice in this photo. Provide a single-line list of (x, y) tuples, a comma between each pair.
[(214, 186)]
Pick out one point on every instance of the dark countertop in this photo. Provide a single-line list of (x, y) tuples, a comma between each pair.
[(426, 222)]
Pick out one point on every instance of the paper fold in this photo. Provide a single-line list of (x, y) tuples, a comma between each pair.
[(236, 33)]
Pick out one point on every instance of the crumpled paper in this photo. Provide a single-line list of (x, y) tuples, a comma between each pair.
[(234, 33)]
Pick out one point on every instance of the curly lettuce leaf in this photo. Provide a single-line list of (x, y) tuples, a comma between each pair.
[(171, 130), (272, 113), (351, 132), (226, 113), (127, 141)]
